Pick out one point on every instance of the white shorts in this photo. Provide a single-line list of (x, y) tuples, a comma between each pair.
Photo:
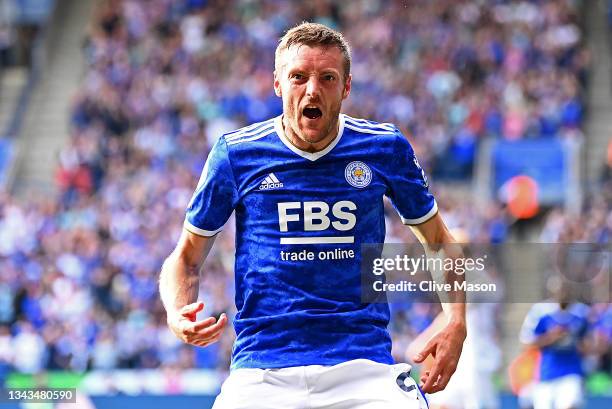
[(357, 384), (560, 393), (463, 392)]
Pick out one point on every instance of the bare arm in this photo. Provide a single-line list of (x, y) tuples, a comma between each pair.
[(178, 287), (437, 240), (549, 338), (447, 344)]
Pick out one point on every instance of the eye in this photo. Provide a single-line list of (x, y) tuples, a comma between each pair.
[(297, 77), (329, 77)]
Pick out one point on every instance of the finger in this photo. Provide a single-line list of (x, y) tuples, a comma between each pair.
[(209, 337), (214, 328), (206, 328), (193, 307), (424, 377), (432, 378), (190, 310), (436, 388), (199, 339), (440, 384), (430, 348), (443, 380), (200, 325), (188, 326), (206, 342)]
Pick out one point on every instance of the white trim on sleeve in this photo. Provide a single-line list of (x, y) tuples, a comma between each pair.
[(200, 232), (422, 219)]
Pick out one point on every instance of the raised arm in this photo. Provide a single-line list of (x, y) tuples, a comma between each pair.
[(179, 284), (446, 345)]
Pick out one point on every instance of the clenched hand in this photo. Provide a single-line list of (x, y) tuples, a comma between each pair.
[(199, 333)]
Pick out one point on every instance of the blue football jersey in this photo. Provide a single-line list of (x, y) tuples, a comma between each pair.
[(603, 325), (563, 357), (300, 221)]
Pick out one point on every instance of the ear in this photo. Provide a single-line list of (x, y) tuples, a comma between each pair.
[(347, 87), (277, 85)]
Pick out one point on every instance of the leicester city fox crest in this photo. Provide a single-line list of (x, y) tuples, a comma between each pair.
[(358, 174)]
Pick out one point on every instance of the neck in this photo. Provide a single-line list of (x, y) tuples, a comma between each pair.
[(307, 146)]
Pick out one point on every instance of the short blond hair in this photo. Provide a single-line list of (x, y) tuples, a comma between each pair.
[(314, 34)]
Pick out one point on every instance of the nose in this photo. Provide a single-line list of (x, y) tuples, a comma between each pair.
[(313, 87)]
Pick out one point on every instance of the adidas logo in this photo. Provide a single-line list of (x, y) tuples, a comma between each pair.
[(270, 182)]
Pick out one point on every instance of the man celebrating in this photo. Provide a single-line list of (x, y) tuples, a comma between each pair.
[(307, 189), (559, 328)]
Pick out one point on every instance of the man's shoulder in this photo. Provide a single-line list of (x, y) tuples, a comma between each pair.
[(543, 308), (580, 311), (368, 127), (541, 311), (384, 136), (249, 133)]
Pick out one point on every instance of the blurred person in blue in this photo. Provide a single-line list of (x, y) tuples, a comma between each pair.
[(602, 330), (559, 328), (307, 189), (6, 356)]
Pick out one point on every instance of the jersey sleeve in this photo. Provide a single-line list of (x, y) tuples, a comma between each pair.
[(541, 328), (216, 195), (527, 334), (408, 188), (533, 325)]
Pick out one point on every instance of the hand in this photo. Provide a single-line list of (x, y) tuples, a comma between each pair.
[(557, 333), (552, 336), (199, 333), (445, 347)]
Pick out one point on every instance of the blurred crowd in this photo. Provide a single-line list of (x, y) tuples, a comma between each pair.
[(165, 78), (20, 23)]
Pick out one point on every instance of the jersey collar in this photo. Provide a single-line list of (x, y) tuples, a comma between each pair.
[(312, 156)]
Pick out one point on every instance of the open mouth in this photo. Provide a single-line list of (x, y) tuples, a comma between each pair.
[(312, 113)]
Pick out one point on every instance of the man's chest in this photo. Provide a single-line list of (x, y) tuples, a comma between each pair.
[(328, 197)]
